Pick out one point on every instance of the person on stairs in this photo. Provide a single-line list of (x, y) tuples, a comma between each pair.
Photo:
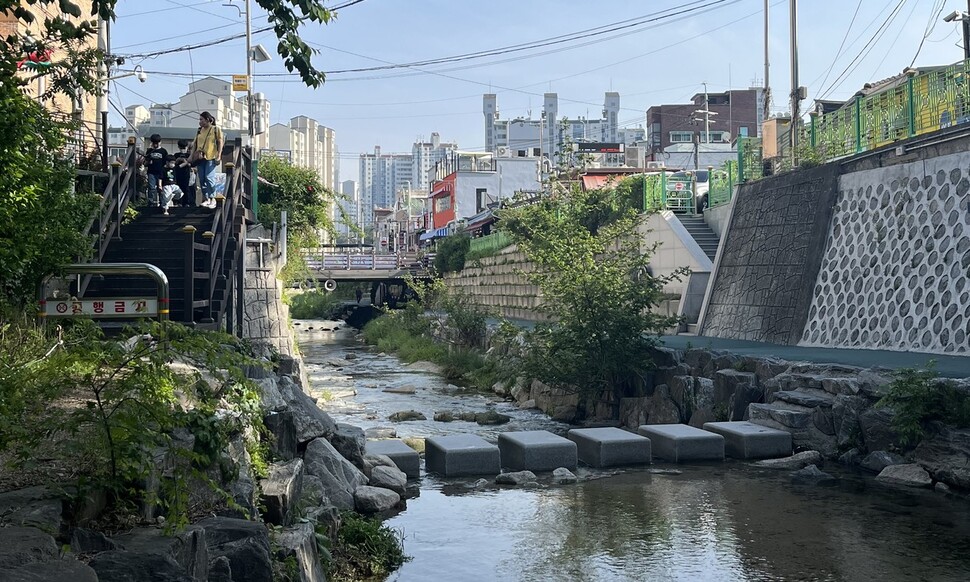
[(206, 151), (184, 173), (170, 189), (155, 158)]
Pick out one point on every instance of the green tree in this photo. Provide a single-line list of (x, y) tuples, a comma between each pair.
[(307, 203), (593, 271), (41, 218), (451, 251)]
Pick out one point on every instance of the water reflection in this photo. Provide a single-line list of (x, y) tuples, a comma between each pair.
[(716, 522)]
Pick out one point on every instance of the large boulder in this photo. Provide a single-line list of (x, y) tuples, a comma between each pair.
[(281, 427), (86, 541), (661, 407), (187, 548), (310, 421), (125, 566), (24, 545), (845, 419), (876, 461), (794, 462), (877, 430), (68, 570), (389, 478), (281, 489), (220, 570), (944, 453), (812, 475), (369, 499), (34, 506), (339, 476), (271, 399), (909, 475), (349, 441), (727, 382), (299, 543), (244, 543)]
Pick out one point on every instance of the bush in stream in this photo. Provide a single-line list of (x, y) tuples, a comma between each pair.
[(365, 549)]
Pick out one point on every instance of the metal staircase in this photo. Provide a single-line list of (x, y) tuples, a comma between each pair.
[(198, 249)]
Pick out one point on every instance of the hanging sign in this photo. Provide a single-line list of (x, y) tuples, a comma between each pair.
[(240, 83)]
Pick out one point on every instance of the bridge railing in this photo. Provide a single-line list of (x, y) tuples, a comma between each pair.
[(329, 261)]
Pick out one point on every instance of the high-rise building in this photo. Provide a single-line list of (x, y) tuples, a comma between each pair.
[(527, 137), (424, 156), (347, 211), (307, 144)]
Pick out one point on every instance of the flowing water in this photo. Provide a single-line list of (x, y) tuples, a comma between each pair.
[(724, 521)]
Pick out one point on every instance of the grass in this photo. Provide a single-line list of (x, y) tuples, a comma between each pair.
[(365, 549)]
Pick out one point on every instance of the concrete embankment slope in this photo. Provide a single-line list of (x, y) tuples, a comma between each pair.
[(867, 253)]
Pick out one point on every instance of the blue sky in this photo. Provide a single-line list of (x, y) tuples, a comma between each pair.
[(842, 45)]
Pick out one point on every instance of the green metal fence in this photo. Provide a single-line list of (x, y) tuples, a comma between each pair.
[(489, 244), (917, 104), (722, 184)]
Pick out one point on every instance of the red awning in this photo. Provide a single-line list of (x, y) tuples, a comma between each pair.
[(597, 181)]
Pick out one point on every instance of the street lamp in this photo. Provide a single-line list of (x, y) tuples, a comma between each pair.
[(963, 18)]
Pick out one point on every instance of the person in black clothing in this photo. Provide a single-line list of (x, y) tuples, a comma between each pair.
[(155, 158), (184, 173)]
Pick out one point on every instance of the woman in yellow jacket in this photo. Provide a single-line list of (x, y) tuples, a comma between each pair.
[(206, 151)]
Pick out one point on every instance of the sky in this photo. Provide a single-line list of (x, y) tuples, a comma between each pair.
[(650, 52)]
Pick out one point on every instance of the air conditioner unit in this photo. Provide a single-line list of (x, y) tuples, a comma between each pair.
[(502, 151), (655, 165)]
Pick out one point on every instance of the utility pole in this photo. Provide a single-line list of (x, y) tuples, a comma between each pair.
[(766, 94), (104, 45), (795, 93)]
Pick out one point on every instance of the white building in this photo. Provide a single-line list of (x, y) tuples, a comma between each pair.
[(348, 210), (424, 157), (527, 137), (306, 144)]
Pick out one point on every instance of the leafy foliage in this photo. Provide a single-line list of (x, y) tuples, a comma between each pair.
[(593, 272), (117, 407), (365, 549), (918, 397), (451, 252), (41, 219)]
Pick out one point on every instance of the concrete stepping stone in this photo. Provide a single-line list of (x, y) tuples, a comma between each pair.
[(678, 443), (461, 454), (747, 440), (610, 447), (536, 450), (403, 456)]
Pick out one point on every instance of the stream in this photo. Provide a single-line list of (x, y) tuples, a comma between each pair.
[(721, 522)]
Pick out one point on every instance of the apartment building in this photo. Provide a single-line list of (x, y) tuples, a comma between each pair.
[(734, 113)]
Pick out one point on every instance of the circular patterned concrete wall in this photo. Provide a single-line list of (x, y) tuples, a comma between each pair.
[(896, 270)]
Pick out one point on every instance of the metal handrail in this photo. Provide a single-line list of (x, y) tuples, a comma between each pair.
[(89, 269)]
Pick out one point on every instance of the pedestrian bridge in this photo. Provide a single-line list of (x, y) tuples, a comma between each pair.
[(325, 264)]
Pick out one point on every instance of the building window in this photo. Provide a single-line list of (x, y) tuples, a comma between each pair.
[(743, 131), (681, 137), (716, 137), (442, 204)]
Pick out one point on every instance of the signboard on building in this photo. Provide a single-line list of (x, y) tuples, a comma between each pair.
[(240, 83), (598, 148), (274, 153), (107, 307)]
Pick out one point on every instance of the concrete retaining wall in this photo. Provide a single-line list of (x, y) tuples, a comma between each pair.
[(768, 262), (896, 271)]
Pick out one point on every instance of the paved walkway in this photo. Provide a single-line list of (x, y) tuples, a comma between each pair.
[(949, 366)]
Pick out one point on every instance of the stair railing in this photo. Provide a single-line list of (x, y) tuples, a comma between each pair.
[(106, 220), (222, 240)]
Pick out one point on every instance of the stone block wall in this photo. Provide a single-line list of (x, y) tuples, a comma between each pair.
[(266, 316), (766, 269), (498, 282)]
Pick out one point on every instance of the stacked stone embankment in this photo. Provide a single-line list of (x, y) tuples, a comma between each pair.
[(500, 283)]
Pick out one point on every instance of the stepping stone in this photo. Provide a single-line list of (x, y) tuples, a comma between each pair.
[(747, 440), (461, 454), (536, 450), (610, 447), (403, 456), (679, 442)]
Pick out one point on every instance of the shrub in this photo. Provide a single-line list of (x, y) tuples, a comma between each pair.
[(451, 252), (918, 397), (365, 549), (312, 304)]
